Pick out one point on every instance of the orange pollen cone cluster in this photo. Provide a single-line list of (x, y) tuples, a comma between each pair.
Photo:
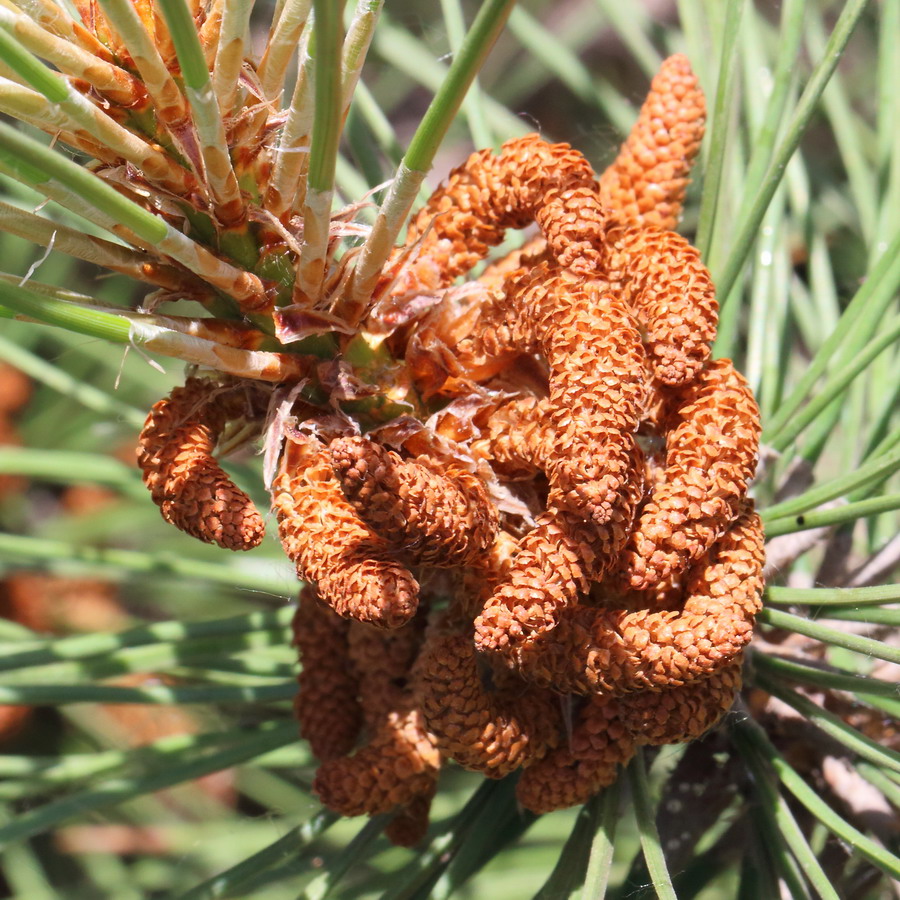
[(555, 560)]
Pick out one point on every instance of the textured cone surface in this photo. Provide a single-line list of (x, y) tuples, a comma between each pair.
[(399, 764), (620, 650), (681, 714), (647, 182), (382, 661), (175, 454), (439, 518), (598, 393), (555, 565), (326, 704), (672, 295), (493, 731), (573, 773), (331, 546), (712, 444), (410, 825), (529, 180)]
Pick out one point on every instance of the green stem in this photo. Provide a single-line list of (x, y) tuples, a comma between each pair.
[(473, 108), (876, 469), (99, 644), (71, 467), (752, 739), (837, 515), (178, 768), (596, 878), (328, 121), (321, 886), (721, 121), (236, 240), (468, 61), (44, 164), (864, 645), (790, 33), (92, 322), (806, 106), (877, 694), (631, 22), (144, 658), (419, 156), (873, 692), (775, 811), (889, 616), (876, 594), (417, 879), (646, 820), (55, 771), (874, 775), (108, 560), (291, 846), (31, 70), (835, 385), (62, 695), (868, 305)]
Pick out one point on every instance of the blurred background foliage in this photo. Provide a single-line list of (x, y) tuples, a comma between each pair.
[(149, 749)]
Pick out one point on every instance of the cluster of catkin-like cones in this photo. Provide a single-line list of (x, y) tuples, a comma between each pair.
[(559, 564)]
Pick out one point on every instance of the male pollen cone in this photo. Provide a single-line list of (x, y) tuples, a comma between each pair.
[(175, 454), (471, 211), (712, 439), (618, 650), (440, 518), (326, 705), (588, 762), (646, 183), (350, 565), (490, 731), (397, 765)]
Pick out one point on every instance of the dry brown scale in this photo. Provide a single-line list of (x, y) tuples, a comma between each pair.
[(572, 520)]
